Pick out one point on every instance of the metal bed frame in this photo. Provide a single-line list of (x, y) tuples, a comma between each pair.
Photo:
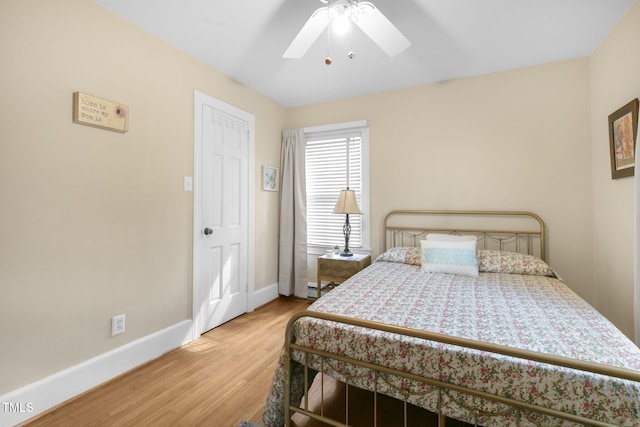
[(523, 240), (528, 228)]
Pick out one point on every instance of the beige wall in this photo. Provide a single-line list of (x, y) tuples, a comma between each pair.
[(512, 140), (615, 80), (95, 223)]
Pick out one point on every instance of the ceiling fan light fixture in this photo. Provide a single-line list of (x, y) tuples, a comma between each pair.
[(341, 25), (342, 7), (361, 13), (341, 12)]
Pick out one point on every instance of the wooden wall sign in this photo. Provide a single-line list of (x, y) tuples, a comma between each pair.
[(101, 113)]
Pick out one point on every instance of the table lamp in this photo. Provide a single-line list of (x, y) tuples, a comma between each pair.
[(347, 205)]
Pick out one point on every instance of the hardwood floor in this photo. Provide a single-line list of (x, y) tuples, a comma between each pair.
[(218, 380)]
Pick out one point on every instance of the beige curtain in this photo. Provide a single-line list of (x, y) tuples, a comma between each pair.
[(292, 259)]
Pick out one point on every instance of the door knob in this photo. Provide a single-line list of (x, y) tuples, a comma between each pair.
[(208, 231)]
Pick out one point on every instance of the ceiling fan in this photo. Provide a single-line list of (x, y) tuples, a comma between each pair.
[(343, 12)]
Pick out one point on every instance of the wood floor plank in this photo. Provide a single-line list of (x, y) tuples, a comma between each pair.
[(218, 380)]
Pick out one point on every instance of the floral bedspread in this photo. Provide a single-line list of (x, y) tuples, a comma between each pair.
[(537, 313)]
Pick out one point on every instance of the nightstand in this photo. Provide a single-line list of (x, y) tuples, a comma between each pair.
[(336, 269)]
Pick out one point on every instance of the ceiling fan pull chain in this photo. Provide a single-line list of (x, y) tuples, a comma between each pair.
[(328, 60), (351, 53)]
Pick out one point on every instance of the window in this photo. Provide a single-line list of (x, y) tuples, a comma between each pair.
[(336, 159)]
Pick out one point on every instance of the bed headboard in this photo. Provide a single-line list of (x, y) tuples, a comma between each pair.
[(514, 231)]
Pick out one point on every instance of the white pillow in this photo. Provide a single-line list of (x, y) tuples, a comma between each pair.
[(444, 253), (450, 238)]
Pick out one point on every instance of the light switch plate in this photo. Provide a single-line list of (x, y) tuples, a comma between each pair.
[(188, 184)]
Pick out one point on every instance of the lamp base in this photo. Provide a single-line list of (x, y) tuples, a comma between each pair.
[(346, 252)]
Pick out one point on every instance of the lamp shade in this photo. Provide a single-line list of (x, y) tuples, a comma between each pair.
[(347, 203)]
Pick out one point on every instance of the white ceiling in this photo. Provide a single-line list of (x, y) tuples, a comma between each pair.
[(245, 39)]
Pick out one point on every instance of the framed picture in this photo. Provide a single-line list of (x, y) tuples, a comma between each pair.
[(623, 128), (269, 178)]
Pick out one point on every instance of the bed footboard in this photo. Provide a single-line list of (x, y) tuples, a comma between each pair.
[(408, 386)]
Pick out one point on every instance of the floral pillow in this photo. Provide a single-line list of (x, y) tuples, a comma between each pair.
[(489, 261), (404, 255), (493, 261)]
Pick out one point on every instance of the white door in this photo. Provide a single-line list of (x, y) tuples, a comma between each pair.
[(222, 254)]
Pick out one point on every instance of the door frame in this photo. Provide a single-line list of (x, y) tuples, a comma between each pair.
[(199, 99)]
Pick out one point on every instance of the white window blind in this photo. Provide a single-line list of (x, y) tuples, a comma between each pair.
[(333, 163)]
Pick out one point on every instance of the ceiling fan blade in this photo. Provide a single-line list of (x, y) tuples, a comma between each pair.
[(375, 25), (308, 34)]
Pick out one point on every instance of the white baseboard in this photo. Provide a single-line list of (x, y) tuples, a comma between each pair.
[(27, 402), (264, 295), (19, 405)]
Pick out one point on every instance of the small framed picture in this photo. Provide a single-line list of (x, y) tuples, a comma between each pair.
[(269, 178), (623, 128)]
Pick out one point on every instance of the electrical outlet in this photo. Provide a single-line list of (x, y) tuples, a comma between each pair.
[(117, 325)]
